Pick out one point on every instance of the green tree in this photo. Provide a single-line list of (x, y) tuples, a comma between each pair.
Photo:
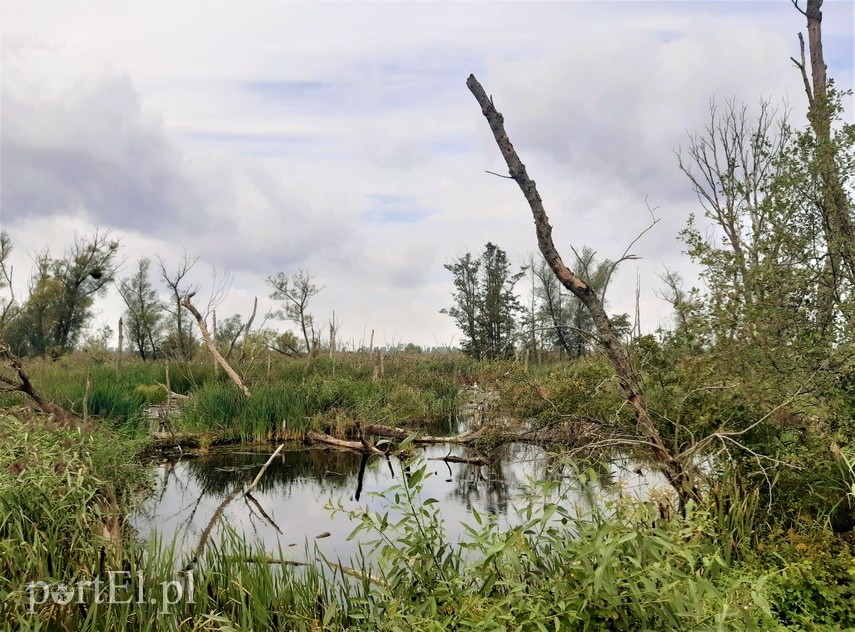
[(295, 293), (62, 292), (486, 308), (227, 334), (285, 343), (769, 268), (568, 322), (8, 304), (144, 314)]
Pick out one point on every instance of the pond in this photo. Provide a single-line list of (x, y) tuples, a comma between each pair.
[(289, 509)]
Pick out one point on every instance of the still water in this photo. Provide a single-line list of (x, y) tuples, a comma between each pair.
[(289, 507)]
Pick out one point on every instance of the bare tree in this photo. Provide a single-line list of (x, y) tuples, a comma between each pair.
[(679, 474), (178, 289), (731, 166), (675, 295), (295, 292)]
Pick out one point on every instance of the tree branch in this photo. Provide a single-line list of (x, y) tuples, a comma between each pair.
[(803, 68)]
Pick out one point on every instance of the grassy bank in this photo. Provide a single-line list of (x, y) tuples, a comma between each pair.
[(289, 396)]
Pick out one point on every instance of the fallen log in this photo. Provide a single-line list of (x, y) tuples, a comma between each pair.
[(397, 433), (450, 458), (359, 446), (237, 491), (23, 385), (347, 570)]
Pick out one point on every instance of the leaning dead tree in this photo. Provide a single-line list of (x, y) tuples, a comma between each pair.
[(185, 302), (682, 476)]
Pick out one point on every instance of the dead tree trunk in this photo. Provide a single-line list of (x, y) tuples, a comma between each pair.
[(185, 302), (119, 349), (358, 446), (246, 330), (833, 204), (679, 475)]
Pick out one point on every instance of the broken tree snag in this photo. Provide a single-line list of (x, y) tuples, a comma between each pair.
[(680, 476), (833, 203), (185, 302), (247, 329)]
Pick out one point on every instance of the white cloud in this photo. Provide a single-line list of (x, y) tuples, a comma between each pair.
[(341, 138)]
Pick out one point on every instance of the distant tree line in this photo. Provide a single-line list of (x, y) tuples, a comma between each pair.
[(54, 317)]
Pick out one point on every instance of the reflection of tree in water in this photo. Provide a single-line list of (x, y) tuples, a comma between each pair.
[(219, 472), (493, 486), (514, 468)]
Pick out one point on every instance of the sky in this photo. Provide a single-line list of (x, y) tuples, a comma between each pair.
[(341, 138)]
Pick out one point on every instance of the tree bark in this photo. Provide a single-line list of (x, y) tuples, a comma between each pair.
[(119, 349), (185, 302), (680, 476)]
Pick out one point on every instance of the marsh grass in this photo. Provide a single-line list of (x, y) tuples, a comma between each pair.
[(331, 395)]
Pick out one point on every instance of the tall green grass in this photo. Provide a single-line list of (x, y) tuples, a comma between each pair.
[(329, 394)]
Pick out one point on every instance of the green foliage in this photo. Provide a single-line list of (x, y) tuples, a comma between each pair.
[(58, 487), (295, 293), (583, 389), (557, 319), (613, 566), (620, 567), (144, 315), (486, 308), (811, 585), (61, 295)]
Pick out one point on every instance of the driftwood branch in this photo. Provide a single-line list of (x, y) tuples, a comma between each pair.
[(185, 302), (680, 475), (263, 470)]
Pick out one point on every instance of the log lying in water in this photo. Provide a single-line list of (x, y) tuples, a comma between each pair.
[(398, 433), (359, 446), (450, 458)]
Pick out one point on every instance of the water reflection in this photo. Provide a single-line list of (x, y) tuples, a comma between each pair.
[(288, 508)]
